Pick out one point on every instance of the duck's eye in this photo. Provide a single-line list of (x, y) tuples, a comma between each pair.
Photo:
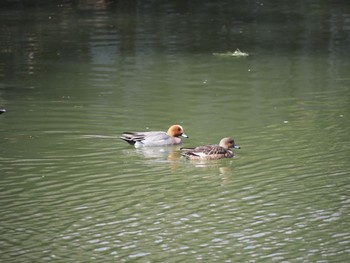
[(179, 129)]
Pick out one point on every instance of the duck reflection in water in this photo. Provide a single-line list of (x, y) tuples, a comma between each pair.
[(170, 153)]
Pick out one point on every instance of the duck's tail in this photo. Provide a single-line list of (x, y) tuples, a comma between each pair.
[(128, 137)]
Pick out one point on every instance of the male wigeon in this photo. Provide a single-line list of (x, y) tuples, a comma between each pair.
[(212, 151), (155, 138)]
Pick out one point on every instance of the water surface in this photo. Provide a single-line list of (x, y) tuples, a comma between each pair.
[(74, 76)]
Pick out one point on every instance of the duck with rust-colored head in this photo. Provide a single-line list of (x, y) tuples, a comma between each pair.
[(155, 138), (211, 151)]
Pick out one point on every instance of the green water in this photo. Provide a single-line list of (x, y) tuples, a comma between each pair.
[(74, 76)]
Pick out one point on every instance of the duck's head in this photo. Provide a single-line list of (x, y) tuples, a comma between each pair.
[(176, 131), (228, 143)]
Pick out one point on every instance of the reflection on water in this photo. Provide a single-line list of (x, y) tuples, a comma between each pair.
[(167, 153), (74, 76)]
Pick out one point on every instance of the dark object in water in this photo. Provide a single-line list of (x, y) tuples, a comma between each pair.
[(2, 110)]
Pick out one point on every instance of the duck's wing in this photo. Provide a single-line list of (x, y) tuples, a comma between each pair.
[(144, 137), (132, 137), (205, 150), (210, 149)]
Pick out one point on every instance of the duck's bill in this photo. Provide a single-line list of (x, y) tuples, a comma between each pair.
[(184, 135), (237, 147)]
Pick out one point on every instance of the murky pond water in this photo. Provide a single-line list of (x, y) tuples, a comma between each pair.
[(75, 75)]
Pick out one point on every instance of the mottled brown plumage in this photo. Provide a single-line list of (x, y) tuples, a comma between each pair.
[(212, 151)]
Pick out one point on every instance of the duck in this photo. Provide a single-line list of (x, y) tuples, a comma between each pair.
[(211, 151), (155, 138), (2, 110)]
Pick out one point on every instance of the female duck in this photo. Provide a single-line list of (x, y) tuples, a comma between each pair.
[(212, 151), (155, 138)]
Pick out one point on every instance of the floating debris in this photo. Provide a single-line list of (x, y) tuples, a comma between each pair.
[(237, 53)]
